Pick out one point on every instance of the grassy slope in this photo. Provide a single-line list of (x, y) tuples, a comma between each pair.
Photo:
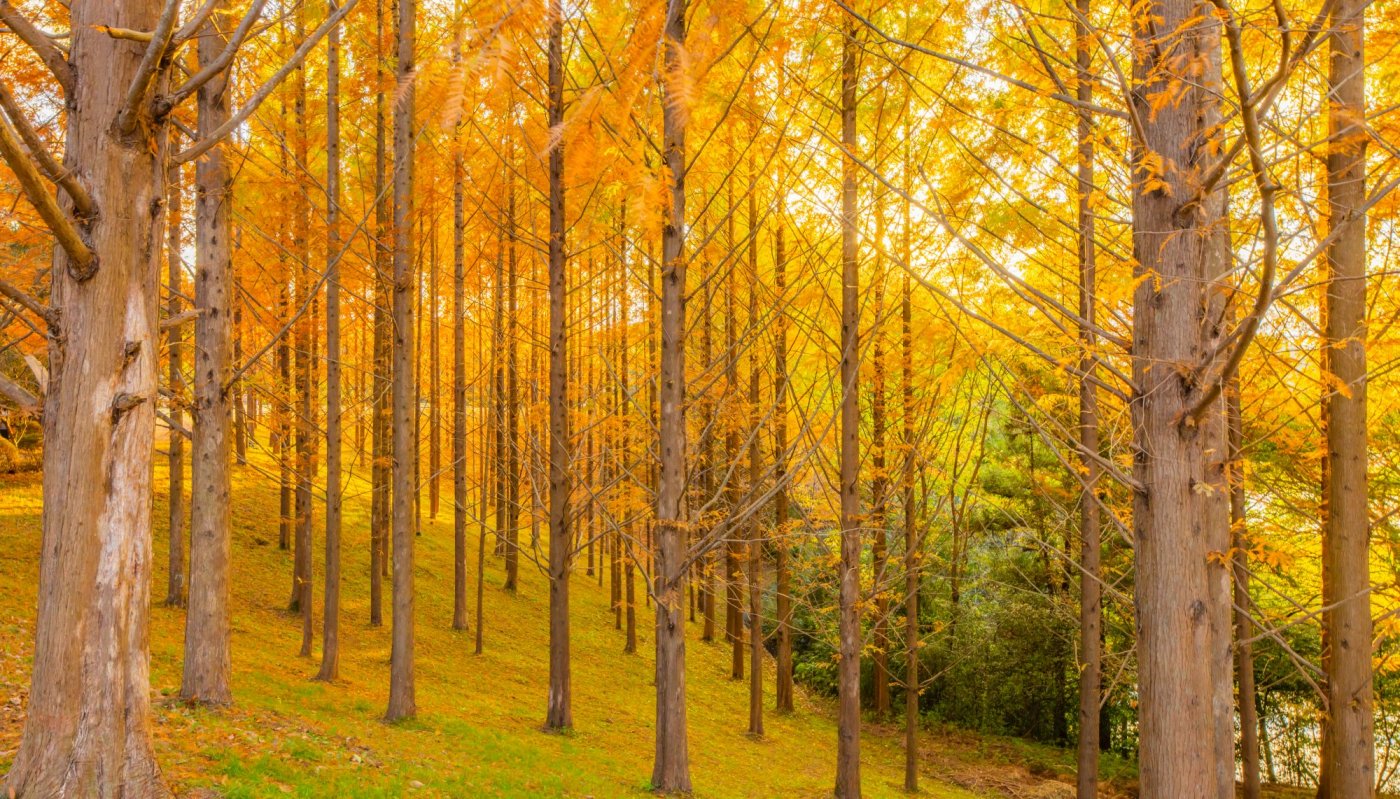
[(478, 730)]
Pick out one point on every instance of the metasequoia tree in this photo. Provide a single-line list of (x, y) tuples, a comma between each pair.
[(1348, 754), (561, 541), (671, 770), (87, 727), (402, 701), (848, 669)]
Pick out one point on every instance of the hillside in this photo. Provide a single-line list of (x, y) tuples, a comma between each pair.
[(478, 733)]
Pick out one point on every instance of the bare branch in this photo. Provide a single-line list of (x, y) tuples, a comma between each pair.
[(41, 44), (19, 395), (38, 193), (25, 299), (218, 65), (82, 201), (203, 146), (150, 62)]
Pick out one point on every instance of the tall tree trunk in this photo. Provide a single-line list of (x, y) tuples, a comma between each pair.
[(733, 547), (879, 484), (330, 624), (512, 531), (175, 581), (380, 446), (671, 770), (1177, 488), (459, 395), (1244, 625), (1090, 540), (1349, 743), (207, 658), (87, 726), (913, 556), (302, 599), (402, 701), (848, 669), (782, 577), (755, 548), (560, 715)]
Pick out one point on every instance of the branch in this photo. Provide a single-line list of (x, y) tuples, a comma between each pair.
[(82, 201), (23, 298), (42, 45), (172, 322), (33, 184), (19, 395), (150, 62), (1268, 220), (205, 145), (219, 64)]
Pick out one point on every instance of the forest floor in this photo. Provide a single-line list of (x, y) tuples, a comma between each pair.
[(478, 733)]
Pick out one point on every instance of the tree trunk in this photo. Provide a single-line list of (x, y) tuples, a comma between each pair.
[(87, 726), (380, 426), (755, 548), (175, 582), (1349, 750), (671, 769), (459, 396), (511, 537), (402, 702), (330, 624), (1244, 625), (1090, 538), (913, 557), (1176, 487), (783, 689), (560, 714), (848, 669), (207, 658)]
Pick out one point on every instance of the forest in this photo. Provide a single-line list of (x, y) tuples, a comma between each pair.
[(728, 398)]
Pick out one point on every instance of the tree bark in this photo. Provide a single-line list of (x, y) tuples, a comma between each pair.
[(207, 658), (87, 726), (380, 445), (560, 714), (782, 577), (1176, 487), (330, 624), (1090, 537), (671, 769), (402, 701), (459, 396), (1349, 749), (1244, 624), (848, 669), (175, 582)]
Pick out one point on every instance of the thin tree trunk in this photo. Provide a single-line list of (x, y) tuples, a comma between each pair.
[(381, 453), (207, 658), (1349, 744), (1244, 625), (848, 669), (459, 396), (512, 531), (671, 770), (402, 701), (783, 689), (175, 582), (755, 548), (87, 725), (560, 714), (1090, 539), (239, 393), (330, 624), (913, 557)]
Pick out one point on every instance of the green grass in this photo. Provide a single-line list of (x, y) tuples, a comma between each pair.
[(478, 731)]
